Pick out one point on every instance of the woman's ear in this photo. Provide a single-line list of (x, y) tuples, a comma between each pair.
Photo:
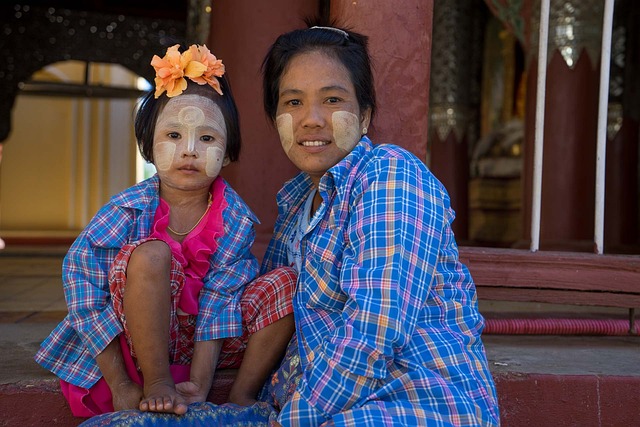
[(226, 161), (365, 121)]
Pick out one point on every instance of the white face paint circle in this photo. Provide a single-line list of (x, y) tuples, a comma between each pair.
[(346, 130), (284, 123), (215, 158), (191, 116)]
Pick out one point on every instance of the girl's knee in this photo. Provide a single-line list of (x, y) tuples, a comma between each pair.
[(151, 254), (268, 298)]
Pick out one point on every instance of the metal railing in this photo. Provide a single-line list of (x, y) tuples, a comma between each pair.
[(607, 27)]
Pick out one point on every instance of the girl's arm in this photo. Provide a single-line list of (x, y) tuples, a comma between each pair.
[(232, 267), (85, 280)]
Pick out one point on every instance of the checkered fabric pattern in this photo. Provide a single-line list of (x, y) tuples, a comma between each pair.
[(387, 321)]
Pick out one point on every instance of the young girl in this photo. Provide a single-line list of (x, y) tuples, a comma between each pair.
[(160, 285)]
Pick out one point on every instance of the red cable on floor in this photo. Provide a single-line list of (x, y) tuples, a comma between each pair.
[(610, 327)]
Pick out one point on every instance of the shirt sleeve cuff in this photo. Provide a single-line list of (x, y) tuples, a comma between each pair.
[(103, 329)]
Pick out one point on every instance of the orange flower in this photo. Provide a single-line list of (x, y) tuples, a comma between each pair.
[(213, 67), (169, 73), (197, 63)]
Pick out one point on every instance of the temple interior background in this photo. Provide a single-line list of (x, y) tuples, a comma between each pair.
[(73, 70)]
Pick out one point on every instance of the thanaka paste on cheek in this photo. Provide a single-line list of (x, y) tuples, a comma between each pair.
[(284, 123), (346, 129), (163, 153), (215, 157), (191, 118)]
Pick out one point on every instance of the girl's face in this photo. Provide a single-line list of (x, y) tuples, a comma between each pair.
[(189, 142), (318, 116)]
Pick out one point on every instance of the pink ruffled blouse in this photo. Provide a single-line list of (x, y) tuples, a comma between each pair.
[(196, 248)]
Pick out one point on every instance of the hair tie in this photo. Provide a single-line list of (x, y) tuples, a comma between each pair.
[(336, 30), (197, 63)]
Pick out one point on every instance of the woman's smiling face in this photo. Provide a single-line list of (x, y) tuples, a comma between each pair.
[(318, 116)]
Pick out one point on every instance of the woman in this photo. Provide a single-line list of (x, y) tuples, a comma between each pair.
[(387, 323)]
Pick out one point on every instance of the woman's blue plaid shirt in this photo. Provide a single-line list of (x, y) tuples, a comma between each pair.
[(386, 315)]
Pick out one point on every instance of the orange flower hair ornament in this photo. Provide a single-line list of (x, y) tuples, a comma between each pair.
[(197, 63)]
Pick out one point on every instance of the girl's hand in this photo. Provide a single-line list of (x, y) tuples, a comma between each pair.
[(126, 395), (192, 392)]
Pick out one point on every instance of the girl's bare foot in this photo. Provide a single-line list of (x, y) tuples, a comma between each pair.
[(162, 397)]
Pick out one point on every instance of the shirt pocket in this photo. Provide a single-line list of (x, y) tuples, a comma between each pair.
[(322, 267)]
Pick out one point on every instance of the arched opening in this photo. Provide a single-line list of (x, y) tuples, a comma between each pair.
[(68, 151)]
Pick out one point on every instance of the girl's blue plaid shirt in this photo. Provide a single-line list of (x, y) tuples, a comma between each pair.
[(70, 350)]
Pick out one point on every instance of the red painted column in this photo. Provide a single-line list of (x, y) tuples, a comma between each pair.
[(241, 33), (400, 46)]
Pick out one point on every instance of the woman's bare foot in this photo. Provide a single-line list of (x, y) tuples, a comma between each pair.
[(162, 397)]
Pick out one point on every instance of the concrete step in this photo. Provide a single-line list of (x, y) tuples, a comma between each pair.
[(541, 380)]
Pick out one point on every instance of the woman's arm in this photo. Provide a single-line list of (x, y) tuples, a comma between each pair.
[(232, 268)]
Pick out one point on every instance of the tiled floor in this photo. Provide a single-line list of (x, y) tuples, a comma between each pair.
[(30, 285)]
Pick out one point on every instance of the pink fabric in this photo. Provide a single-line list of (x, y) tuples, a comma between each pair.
[(98, 399), (196, 248)]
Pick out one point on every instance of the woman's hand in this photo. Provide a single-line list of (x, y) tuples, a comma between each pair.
[(192, 392), (126, 395)]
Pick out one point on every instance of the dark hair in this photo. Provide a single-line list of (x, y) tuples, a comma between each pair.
[(348, 47), (150, 108)]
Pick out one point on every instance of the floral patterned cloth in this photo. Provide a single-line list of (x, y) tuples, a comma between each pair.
[(285, 380), (199, 415)]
